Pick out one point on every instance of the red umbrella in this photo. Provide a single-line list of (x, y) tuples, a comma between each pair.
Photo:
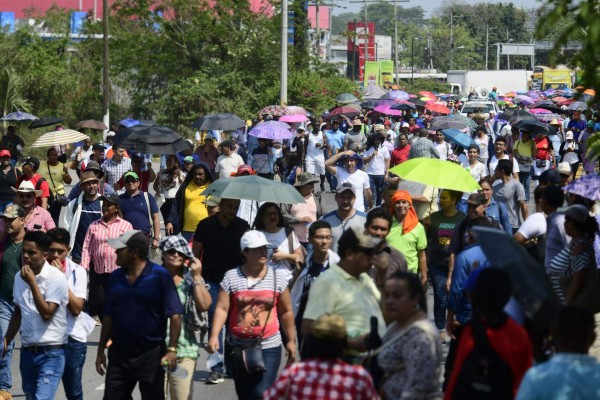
[(438, 108), (425, 93), (566, 102), (345, 110)]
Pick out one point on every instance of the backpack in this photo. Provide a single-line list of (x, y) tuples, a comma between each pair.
[(484, 374)]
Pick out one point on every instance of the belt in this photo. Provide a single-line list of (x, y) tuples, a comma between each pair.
[(42, 349)]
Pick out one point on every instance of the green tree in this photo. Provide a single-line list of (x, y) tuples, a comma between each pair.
[(11, 92)]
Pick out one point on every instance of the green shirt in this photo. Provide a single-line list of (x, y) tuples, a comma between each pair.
[(186, 345), (11, 265), (409, 243)]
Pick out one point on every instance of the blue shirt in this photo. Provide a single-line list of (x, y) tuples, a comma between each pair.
[(335, 139), (464, 262), (565, 376), (90, 212), (135, 210), (498, 212), (139, 311)]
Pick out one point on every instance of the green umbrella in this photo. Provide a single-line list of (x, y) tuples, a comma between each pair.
[(437, 173), (252, 187)]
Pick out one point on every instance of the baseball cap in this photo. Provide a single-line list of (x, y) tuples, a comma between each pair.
[(98, 146), (564, 168), (13, 211), (405, 125), (253, 240), (33, 161), (329, 326), (550, 176), (569, 135), (110, 133), (355, 237), (346, 186), (132, 174), (578, 212), (188, 159), (477, 199), (112, 198), (133, 238), (4, 153)]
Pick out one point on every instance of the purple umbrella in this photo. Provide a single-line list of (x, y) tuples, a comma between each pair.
[(387, 110), (293, 118), (397, 95), (587, 186), (272, 130), (384, 103), (19, 116), (524, 99)]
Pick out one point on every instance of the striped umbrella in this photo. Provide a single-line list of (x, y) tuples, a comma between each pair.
[(59, 137), (274, 110)]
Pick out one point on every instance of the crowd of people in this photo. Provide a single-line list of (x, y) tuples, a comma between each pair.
[(343, 291)]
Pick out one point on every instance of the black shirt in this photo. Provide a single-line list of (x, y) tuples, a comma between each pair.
[(8, 181), (221, 246)]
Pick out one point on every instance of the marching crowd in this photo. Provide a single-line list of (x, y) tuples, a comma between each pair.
[(343, 291)]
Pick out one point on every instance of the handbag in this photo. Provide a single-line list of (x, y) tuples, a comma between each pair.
[(195, 322), (57, 197), (250, 356)]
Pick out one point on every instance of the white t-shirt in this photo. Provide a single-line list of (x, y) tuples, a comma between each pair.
[(227, 165), (54, 288), (359, 180), (493, 163), (443, 149), (279, 241), (81, 326), (312, 151), (533, 226), (478, 171), (377, 164)]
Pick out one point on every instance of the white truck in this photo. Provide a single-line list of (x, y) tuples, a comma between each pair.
[(481, 82)]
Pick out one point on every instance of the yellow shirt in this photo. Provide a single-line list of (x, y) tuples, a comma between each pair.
[(57, 176), (194, 207)]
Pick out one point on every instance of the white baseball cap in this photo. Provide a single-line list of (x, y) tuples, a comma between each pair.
[(253, 240), (564, 168), (569, 135)]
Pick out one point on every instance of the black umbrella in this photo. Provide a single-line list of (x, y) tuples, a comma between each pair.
[(514, 116), (534, 127), (40, 123), (404, 106), (151, 139), (416, 101), (368, 104), (221, 122)]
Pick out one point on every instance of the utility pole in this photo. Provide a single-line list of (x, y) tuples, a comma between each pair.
[(451, 37), (396, 66), (366, 32), (487, 45), (284, 53), (412, 61), (507, 55), (317, 32), (105, 65)]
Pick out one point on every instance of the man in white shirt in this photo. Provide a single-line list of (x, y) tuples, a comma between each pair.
[(443, 148), (41, 297), (352, 173), (229, 161), (500, 154), (315, 157)]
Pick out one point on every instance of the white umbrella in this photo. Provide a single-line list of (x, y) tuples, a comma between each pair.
[(59, 137)]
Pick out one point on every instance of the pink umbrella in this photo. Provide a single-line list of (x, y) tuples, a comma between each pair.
[(293, 118), (537, 111), (391, 111)]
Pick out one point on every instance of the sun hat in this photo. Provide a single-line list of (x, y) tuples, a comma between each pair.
[(329, 326), (178, 243), (305, 178), (356, 157), (253, 240), (564, 168), (87, 176), (27, 187)]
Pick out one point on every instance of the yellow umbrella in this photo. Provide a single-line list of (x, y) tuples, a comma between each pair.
[(59, 137)]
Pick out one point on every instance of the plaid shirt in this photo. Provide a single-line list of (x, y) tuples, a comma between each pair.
[(95, 245), (323, 379), (113, 171), (422, 147)]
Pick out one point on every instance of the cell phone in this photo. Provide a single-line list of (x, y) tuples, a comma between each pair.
[(37, 227)]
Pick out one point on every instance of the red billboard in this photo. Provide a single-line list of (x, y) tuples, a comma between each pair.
[(356, 43)]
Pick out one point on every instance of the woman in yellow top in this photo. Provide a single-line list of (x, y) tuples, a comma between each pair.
[(189, 207), (525, 151), (56, 174)]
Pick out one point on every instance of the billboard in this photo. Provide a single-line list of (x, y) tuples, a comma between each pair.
[(371, 73), (356, 43), (386, 72)]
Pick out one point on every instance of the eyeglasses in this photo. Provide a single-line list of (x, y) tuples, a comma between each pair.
[(173, 252), (323, 237)]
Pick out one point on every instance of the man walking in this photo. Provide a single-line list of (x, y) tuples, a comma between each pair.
[(30, 167), (114, 167), (228, 162), (41, 296), (346, 215), (138, 330), (511, 193), (350, 172)]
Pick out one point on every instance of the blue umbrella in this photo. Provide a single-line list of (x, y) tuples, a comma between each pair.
[(128, 122), (19, 116), (458, 137)]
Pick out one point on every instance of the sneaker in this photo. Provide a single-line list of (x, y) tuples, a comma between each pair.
[(214, 377), (322, 187)]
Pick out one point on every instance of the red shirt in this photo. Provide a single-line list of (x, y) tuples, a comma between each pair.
[(144, 180), (43, 187), (399, 155), (510, 342), (543, 148)]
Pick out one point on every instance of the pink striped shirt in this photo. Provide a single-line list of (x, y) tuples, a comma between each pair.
[(96, 248)]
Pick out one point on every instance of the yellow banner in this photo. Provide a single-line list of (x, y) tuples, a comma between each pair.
[(386, 71), (371, 73)]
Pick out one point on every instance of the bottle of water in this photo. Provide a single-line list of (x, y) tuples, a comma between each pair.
[(178, 372)]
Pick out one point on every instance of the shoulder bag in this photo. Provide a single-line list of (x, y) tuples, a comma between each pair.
[(250, 356), (56, 197)]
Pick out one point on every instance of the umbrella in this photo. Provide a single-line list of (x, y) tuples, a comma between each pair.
[(438, 108), (397, 95), (437, 173), (297, 110), (454, 121), (547, 117), (388, 110), (345, 98), (558, 99), (276, 111), (385, 102), (539, 111), (220, 122), (128, 122), (417, 102), (157, 148), (578, 105), (514, 116), (522, 99), (425, 93), (534, 127), (587, 186), (148, 137), (253, 187), (403, 105), (458, 137), (272, 130), (19, 116), (346, 110), (551, 108), (91, 124), (59, 137), (45, 122), (368, 103), (293, 118)]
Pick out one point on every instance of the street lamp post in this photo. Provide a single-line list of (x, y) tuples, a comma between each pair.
[(105, 65), (412, 60), (284, 53)]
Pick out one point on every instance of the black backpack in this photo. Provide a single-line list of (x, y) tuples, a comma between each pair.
[(484, 374)]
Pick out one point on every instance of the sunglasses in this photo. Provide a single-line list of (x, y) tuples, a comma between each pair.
[(131, 180), (173, 252)]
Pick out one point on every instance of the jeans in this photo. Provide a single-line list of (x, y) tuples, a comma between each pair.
[(7, 308), (214, 293), (438, 275), (75, 352), (525, 179), (253, 386), (41, 373), (376, 183)]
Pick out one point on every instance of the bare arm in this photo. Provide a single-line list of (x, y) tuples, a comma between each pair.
[(221, 311), (286, 317), (330, 163), (422, 266), (104, 337), (450, 269), (524, 209), (75, 304), (44, 202), (369, 197), (197, 248), (576, 285), (13, 326), (519, 238), (202, 298)]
